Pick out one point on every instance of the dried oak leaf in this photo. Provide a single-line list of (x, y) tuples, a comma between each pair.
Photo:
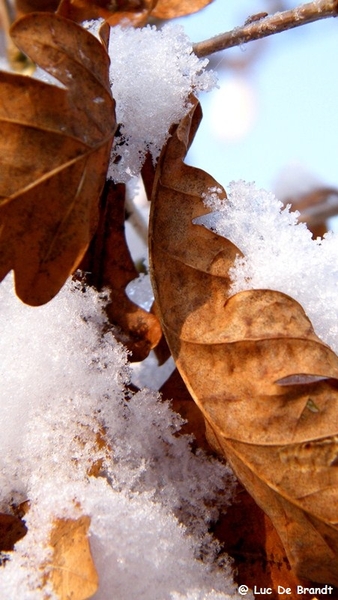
[(169, 9), (54, 153), (136, 12), (12, 529), (26, 6), (109, 265), (316, 207), (265, 383), (248, 536), (244, 530), (72, 571), (175, 390)]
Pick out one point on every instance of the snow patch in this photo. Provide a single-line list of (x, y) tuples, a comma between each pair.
[(63, 387), (279, 253), (152, 74)]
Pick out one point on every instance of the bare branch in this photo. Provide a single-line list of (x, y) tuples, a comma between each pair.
[(255, 29)]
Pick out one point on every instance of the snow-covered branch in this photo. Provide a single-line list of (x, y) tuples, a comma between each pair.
[(261, 25)]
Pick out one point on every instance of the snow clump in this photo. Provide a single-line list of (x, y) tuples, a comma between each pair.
[(152, 72), (279, 252), (151, 499)]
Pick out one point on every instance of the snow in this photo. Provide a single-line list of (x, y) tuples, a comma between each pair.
[(63, 385), (140, 291), (279, 253), (152, 74)]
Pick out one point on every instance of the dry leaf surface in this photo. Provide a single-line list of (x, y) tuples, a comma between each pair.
[(316, 207), (109, 264), (26, 6), (136, 12), (54, 153), (169, 9), (73, 574), (249, 537), (265, 383), (12, 529), (244, 530)]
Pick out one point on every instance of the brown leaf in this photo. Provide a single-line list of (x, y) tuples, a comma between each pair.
[(73, 574), (315, 208), (169, 9), (12, 529), (232, 353), (148, 175), (244, 530), (248, 536), (26, 6), (54, 153), (175, 390), (135, 12), (110, 265)]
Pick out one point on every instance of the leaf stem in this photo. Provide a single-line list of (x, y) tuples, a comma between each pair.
[(268, 25)]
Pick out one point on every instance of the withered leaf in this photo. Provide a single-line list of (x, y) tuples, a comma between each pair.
[(109, 265), (26, 6), (12, 529), (316, 207), (54, 152), (169, 9), (281, 440), (248, 536), (135, 12), (72, 574), (176, 391)]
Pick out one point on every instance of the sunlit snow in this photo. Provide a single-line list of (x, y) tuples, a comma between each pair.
[(152, 74), (62, 383), (279, 253)]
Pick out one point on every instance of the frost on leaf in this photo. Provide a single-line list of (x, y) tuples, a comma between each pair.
[(55, 147), (268, 233), (233, 351)]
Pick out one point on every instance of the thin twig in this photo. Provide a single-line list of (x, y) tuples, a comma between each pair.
[(268, 25)]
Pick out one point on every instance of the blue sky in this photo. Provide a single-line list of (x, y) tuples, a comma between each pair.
[(294, 81)]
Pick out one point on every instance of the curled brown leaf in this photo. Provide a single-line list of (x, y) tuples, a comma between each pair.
[(169, 9), (109, 265), (54, 153), (26, 6), (133, 12), (265, 383)]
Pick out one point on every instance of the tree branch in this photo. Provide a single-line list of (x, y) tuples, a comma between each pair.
[(268, 25)]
